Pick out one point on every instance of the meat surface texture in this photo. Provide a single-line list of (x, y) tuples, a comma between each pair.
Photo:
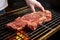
[(31, 20), (48, 15)]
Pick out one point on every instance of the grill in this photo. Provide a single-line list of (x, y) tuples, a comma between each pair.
[(43, 29)]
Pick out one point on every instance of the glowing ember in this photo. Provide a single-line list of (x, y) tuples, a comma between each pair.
[(21, 37)]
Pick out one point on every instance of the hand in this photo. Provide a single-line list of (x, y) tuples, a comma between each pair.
[(34, 3)]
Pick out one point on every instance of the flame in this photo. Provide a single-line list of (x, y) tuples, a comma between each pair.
[(20, 37)]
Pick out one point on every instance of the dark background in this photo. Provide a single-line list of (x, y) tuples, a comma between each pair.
[(21, 3)]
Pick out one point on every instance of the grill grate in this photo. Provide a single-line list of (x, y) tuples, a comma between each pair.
[(6, 33), (46, 27)]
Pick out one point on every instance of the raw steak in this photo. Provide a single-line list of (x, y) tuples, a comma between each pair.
[(31, 20)]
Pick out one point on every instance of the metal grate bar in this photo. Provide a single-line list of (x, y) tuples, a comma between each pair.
[(1, 31), (36, 30), (54, 22), (54, 19), (55, 25), (1, 35), (1, 28), (6, 21), (42, 32), (5, 36), (10, 36), (6, 16)]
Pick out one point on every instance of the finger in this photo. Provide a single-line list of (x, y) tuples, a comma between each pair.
[(32, 8), (40, 6)]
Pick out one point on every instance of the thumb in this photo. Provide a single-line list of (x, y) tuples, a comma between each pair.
[(32, 8), (40, 6)]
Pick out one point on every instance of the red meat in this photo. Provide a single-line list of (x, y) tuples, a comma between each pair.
[(48, 16), (17, 24), (31, 20)]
